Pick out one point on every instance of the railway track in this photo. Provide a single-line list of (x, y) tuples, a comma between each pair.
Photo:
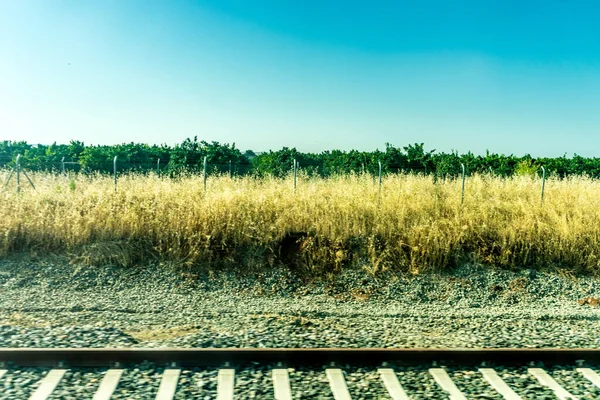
[(111, 364)]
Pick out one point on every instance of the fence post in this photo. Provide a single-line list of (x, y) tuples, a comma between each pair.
[(204, 174), (295, 168), (12, 171), (18, 167), (115, 171), (379, 180), (230, 174), (462, 198), (158, 167), (543, 183), (63, 165)]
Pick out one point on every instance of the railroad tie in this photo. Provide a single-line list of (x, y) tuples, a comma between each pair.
[(492, 377), (589, 373), (281, 384), (168, 384), (391, 383), (546, 380), (225, 383), (108, 384), (445, 382), (337, 383), (48, 384)]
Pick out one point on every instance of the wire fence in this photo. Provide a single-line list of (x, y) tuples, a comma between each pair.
[(158, 167), (173, 167), (167, 167), (206, 169)]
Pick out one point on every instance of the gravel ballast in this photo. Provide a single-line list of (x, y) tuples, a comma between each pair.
[(45, 304), (49, 303)]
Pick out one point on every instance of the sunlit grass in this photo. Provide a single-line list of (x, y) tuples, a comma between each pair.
[(414, 223)]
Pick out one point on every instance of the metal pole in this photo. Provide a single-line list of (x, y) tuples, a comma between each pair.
[(230, 169), (462, 199), (158, 167), (380, 180), (27, 176), (9, 176), (115, 171), (295, 167), (63, 165), (543, 183), (18, 166), (204, 174)]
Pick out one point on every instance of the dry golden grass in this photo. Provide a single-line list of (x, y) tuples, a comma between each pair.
[(416, 223)]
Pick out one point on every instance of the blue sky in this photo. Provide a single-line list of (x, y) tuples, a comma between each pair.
[(509, 76)]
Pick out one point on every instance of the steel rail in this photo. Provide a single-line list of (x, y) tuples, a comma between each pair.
[(199, 357)]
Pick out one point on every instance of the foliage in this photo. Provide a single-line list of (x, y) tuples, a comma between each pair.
[(188, 157), (526, 168)]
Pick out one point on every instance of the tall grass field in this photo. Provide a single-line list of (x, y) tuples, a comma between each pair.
[(411, 223)]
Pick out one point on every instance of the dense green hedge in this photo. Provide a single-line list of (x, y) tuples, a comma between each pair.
[(189, 156)]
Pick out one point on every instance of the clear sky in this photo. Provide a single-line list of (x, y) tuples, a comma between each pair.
[(511, 76)]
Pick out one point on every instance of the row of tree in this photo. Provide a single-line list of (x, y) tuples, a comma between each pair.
[(189, 157)]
